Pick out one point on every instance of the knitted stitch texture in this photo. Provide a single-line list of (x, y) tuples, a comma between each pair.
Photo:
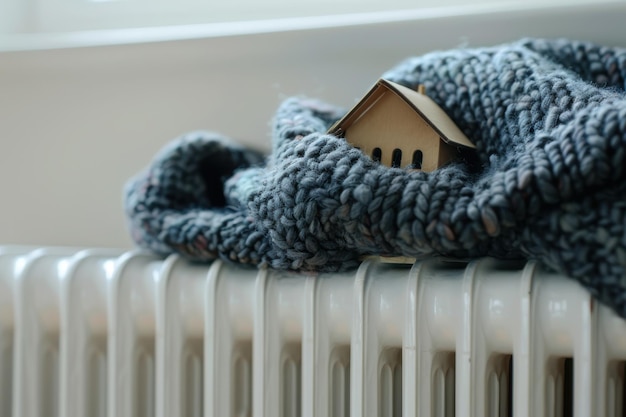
[(548, 118)]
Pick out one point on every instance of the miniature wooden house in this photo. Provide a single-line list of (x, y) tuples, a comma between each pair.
[(400, 127)]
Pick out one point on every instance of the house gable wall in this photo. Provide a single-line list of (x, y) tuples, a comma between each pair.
[(447, 153), (390, 123)]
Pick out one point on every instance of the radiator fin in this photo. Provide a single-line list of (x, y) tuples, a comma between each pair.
[(615, 389), (290, 391), (143, 393), (192, 386), (443, 385), (498, 389), (242, 381), (95, 393), (339, 387), (6, 372), (48, 380), (390, 380), (8, 261)]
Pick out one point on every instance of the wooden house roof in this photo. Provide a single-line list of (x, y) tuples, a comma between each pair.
[(423, 105)]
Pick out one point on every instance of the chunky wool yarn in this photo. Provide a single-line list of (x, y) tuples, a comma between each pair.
[(548, 118)]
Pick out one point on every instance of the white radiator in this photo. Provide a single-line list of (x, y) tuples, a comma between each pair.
[(101, 333)]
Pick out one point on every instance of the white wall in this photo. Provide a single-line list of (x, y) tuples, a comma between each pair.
[(75, 123), (48, 16)]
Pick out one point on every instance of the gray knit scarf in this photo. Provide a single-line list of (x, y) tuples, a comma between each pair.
[(548, 182)]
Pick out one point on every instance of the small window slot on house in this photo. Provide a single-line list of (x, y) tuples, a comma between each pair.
[(396, 158), (418, 157), (377, 154)]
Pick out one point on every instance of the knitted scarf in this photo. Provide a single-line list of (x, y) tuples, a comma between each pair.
[(548, 118)]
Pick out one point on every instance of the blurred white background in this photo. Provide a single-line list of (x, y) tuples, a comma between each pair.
[(91, 90), (24, 16)]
